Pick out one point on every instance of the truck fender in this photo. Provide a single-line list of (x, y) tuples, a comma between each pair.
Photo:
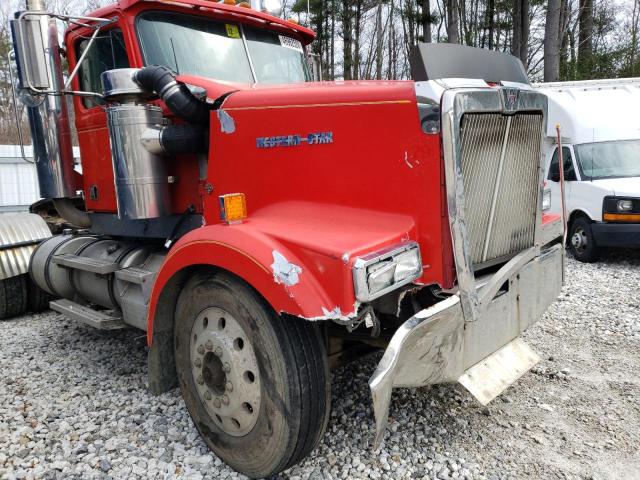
[(265, 264)]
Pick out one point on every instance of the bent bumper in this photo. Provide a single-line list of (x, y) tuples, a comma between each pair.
[(616, 234), (437, 345)]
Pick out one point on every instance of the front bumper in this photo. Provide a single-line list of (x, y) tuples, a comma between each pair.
[(437, 345), (616, 234)]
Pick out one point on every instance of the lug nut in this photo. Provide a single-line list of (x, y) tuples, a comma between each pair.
[(218, 352), (200, 349), (207, 395), (229, 386), (200, 380), (198, 363), (217, 403), (225, 400), (209, 345), (226, 368)]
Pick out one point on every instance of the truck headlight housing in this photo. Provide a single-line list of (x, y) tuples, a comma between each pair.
[(546, 199), (385, 270)]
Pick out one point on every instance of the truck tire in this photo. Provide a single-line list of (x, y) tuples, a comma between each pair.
[(37, 299), (13, 296), (581, 242), (255, 384)]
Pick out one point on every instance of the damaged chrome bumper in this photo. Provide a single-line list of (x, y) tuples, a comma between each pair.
[(482, 352)]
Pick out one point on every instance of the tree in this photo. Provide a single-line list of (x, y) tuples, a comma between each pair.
[(452, 13), (347, 37), (426, 21), (521, 24), (585, 39), (552, 42)]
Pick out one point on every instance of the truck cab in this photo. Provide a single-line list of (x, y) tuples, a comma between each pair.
[(257, 224), (600, 142)]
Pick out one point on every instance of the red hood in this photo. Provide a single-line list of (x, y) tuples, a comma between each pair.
[(311, 93)]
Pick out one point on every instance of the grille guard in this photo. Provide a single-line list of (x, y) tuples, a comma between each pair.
[(465, 336)]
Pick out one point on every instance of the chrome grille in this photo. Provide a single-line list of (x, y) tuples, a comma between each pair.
[(500, 158)]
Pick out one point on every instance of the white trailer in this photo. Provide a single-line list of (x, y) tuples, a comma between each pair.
[(600, 125)]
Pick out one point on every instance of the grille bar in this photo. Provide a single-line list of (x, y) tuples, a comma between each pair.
[(500, 158)]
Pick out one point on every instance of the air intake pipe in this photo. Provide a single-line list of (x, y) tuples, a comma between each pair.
[(175, 95)]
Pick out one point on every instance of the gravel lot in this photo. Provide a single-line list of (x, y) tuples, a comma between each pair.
[(73, 403)]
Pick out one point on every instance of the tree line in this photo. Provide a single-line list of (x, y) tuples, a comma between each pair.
[(555, 39)]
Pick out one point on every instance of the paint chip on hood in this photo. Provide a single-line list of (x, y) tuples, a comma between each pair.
[(227, 125)]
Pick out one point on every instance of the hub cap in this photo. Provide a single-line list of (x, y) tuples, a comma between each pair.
[(579, 240), (225, 371)]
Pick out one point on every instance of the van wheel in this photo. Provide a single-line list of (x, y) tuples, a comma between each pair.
[(13, 296), (581, 242), (255, 384)]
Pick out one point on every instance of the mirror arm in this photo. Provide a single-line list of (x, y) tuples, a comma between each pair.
[(82, 57), (71, 19)]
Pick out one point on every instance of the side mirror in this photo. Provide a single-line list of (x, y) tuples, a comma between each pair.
[(315, 63), (31, 35)]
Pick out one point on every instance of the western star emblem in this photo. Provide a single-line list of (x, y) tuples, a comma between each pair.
[(511, 96), (317, 138)]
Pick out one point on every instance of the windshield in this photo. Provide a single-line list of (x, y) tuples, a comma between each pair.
[(223, 51), (619, 159)]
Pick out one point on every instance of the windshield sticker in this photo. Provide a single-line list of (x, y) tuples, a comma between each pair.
[(291, 43), (232, 31)]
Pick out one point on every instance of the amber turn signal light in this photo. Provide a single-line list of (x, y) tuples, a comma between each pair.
[(233, 208), (622, 217)]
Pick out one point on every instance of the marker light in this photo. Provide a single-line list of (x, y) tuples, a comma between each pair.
[(233, 208), (386, 270)]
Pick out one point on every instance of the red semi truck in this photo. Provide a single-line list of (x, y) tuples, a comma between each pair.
[(258, 225)]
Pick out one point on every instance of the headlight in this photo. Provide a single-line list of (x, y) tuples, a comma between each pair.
[(546, 199), (625, 205), (385, 270)]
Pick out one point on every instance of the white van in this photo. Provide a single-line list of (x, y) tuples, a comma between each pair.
[(600, 125)]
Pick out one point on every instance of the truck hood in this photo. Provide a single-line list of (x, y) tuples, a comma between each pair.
[(622, 187), (310, 94)]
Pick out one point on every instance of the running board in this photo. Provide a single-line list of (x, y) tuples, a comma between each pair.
[(100, 319), (86, 264), (493, 375)]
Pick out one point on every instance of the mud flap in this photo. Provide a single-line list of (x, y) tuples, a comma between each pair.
[(489, 378)]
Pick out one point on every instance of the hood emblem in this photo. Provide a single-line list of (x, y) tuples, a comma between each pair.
[(511, 96), (316, 138)]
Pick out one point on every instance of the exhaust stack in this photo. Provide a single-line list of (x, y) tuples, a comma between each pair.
[(35, 41)]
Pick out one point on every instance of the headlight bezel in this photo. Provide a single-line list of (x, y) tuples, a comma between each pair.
[(385, 259)]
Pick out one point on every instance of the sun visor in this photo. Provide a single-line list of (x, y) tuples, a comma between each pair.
[(431, 61)]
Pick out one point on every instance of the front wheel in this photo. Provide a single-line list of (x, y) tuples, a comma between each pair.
[(581, 241), (256, 384)]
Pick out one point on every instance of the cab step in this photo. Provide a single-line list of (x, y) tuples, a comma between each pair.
[(86, 264), (100, 319), (135, 275)]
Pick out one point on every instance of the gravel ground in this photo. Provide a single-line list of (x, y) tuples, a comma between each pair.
[(73, 403)]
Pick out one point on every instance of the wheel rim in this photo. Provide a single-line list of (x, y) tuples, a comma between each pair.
[(225, 371), (579, 240)]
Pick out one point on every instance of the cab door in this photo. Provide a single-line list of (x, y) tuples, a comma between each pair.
[(107, 52), (570, 177)]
